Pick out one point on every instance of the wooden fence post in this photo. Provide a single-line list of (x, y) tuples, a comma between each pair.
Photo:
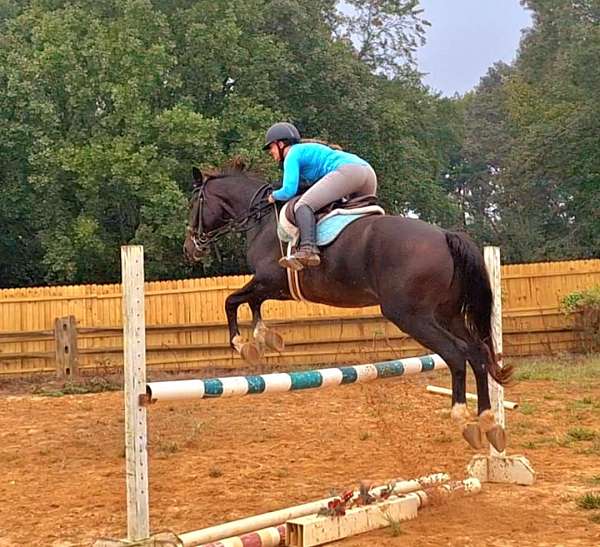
[(65, 337)]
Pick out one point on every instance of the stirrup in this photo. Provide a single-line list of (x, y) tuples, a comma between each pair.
[(291, 262)]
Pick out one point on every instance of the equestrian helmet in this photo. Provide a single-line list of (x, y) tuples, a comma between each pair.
[(281, 131)]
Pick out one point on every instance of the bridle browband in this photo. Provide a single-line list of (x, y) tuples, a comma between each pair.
[(258, 208)]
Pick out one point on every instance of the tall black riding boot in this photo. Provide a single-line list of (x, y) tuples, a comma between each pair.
[(308, 252)]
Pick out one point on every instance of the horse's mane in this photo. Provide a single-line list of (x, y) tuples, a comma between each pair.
[(236, 167)]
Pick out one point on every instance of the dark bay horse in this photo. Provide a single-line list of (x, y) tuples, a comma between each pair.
[(431, 283)]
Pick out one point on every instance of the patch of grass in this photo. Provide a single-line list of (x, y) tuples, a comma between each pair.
[(364, 436), (595, 518), (581, 434), (540, 442), (91, 385), (167, 447), (578, 369), (565, 442), (531, 445), (527, 408), (589, 501), (586, 404), (594, 480)]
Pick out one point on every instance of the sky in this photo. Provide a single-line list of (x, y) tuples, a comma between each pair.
[(465, 38)]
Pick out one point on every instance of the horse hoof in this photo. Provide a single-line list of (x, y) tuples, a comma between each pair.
[(497, 438), (472, 434), (250, 353), (274, 340)]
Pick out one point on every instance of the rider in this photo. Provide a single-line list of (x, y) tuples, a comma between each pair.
[(331, 174)]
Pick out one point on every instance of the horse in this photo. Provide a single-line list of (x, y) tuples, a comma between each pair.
[(430, 282)]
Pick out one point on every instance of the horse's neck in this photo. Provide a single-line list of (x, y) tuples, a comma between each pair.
[(262, 240), (241, 197)]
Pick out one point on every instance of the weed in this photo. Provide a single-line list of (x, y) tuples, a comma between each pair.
[(91, 385), (527, 408), (581, 434), (579, 370), (395, 525), (168, 447), (530, 445), (588, 501)]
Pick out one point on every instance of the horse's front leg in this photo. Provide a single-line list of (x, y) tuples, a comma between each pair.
[(249, 351)]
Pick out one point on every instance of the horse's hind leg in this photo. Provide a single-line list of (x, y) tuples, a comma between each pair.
[(477, 356), (424, 328), (263, 335), (249, 351)]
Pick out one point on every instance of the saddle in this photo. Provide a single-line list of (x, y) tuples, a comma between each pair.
[(331, 220), (353, 201)]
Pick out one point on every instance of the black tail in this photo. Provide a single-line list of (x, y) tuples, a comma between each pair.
[(476, 298)]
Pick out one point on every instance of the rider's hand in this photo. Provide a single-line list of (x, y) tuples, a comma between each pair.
[(271, 199)]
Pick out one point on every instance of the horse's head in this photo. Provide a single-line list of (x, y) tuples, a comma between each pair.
[(220, 204)]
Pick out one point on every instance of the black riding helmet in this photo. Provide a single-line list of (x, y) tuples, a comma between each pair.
[(281, 131)]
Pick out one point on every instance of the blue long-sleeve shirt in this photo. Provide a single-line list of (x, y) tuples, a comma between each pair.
[(309, 162)]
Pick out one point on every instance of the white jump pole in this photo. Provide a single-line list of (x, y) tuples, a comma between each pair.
[(497, 467), (134, 355), (509, 405)]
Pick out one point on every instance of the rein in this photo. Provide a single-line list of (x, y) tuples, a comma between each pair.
[(241, 224)]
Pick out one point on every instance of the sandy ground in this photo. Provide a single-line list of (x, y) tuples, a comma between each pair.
[(62, 462)]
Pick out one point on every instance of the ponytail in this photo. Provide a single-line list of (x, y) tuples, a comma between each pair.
[(319, 141)]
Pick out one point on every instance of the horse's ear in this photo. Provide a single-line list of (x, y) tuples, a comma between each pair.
[(239, 163), (197, 177)]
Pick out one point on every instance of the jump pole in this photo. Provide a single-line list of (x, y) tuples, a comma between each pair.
[(239, 386), (508, 405), (497, 466)]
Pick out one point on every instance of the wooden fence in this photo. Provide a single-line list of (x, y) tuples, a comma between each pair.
[(186, 324)]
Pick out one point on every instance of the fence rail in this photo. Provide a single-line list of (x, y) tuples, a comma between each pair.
[(186, 324)]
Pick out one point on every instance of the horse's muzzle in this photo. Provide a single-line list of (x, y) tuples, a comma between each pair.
[(193, 250)]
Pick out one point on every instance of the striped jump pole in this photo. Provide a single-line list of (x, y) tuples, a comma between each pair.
[(238, 386)]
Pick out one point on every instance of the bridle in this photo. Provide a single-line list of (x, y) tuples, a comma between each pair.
[(258, 208)]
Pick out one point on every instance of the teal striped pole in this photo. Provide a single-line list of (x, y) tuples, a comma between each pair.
[(239, 386)]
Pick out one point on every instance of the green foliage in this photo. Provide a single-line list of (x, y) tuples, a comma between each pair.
[(590, 500), (531, 141), (584, 308), (581, 434), (107, 104)]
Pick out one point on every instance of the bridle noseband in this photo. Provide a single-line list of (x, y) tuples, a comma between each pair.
[(258, 208)]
